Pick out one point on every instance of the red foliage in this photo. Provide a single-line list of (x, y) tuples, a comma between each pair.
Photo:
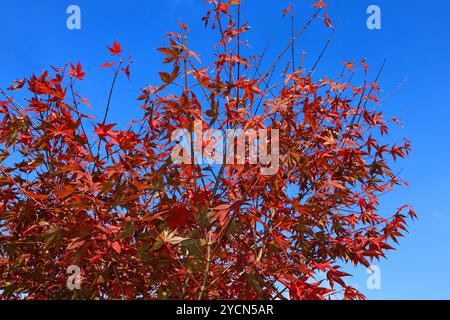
[(138, 225)]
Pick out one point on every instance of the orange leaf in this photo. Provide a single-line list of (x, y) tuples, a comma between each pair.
[(116, 246)]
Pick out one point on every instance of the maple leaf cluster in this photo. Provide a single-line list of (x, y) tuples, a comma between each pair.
[(112, 202)]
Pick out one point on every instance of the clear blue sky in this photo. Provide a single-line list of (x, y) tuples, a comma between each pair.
[(414, 38)]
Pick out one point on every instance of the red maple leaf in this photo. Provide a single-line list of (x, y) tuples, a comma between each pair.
[(116, 49)]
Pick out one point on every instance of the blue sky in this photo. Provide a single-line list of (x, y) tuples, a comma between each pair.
[(414, 39)]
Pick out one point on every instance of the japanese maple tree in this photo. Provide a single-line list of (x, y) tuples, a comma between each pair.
[(113, 202)]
